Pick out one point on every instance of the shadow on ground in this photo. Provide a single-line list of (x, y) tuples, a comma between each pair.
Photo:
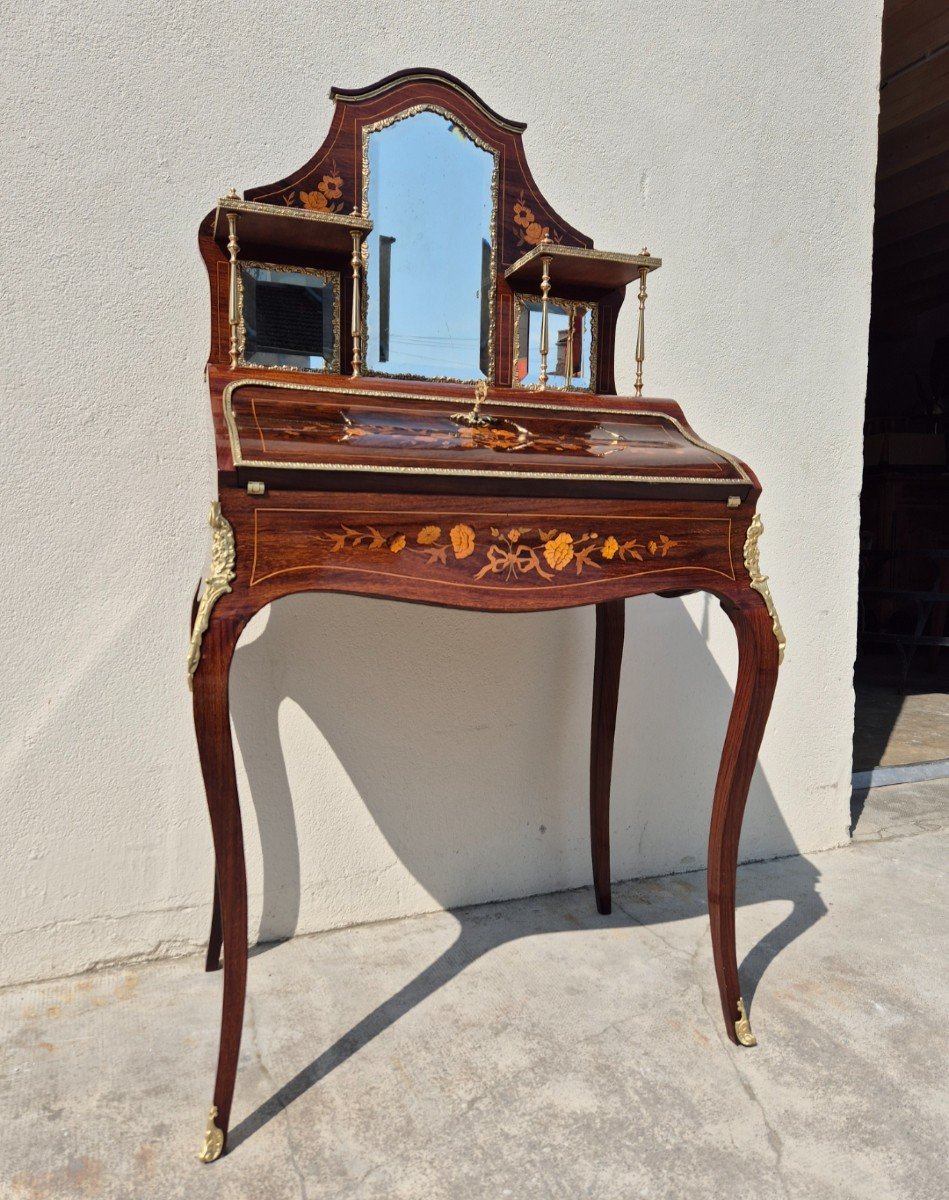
[(408, 742)]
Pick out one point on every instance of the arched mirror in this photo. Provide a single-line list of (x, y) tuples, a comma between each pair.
[(429, 189)]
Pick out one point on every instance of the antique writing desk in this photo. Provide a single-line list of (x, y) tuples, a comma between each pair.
[(411, 379)]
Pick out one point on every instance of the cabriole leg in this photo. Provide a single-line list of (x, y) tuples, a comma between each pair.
[(754, 690), (610, 622), (213, 959), (213, 728)]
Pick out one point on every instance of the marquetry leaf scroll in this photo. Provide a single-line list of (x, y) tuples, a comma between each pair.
[(511, 553)]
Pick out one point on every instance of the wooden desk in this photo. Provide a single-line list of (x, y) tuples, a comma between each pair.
[(500, 499)]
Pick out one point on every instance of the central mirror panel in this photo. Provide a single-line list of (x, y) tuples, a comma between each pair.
[(431, 265)]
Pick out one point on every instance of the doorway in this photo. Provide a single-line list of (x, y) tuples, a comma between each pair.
[(902, 666)]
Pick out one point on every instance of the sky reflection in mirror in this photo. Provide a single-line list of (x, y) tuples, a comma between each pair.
[(430, 249)]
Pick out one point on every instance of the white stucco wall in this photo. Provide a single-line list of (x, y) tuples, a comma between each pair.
[(403, 759)]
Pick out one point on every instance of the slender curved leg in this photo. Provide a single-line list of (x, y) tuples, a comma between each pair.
[(754, 689), (610, 623), (213, 960), (213, 729)]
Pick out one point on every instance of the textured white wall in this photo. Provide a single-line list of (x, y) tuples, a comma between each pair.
[(403, 759)]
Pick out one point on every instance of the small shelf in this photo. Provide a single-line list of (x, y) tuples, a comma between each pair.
[(593, 271), (294, 228)]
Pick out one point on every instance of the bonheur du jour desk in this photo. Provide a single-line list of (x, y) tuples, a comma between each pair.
[(411, 380)]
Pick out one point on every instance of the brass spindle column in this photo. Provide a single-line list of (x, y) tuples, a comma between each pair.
[(568, 365), (233, 315), (545, 262), (360, 253), (641, 335)]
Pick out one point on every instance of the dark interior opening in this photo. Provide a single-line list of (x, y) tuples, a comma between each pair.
[(902, 665)]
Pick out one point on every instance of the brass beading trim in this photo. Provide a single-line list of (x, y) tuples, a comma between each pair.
[(348, 221)]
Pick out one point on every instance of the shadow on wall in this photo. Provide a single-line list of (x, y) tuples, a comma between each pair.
[(411, 702)]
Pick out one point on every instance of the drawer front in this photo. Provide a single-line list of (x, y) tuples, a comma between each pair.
[(543, 549)]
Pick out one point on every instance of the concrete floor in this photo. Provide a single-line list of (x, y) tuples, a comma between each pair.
[(527, 1049), (892, 729)]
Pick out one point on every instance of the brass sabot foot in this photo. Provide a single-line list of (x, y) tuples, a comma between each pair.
[(743, 1026), (213, 1142)]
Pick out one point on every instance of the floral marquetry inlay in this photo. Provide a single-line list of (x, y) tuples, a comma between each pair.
[(532, 550), (527, 228), (511, 553), (326, 196)]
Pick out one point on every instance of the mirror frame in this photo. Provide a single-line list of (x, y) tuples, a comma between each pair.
[(386, 123), (570, 306), (328, 276)]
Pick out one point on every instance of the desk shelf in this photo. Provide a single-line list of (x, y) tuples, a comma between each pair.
[(585, 271)]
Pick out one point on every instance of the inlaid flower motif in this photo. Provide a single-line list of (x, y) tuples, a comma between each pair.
[(529, 229), (513, 555), (522, 215), (559, 551), (314, 200), (331, 187), (663, 546), (462, 540)]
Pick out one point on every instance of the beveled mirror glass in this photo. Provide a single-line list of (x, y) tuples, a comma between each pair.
[(289, 317), (431, 255), (570, 336)]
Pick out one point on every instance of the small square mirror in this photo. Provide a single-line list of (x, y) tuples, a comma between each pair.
[(289, 317), (570, 339)]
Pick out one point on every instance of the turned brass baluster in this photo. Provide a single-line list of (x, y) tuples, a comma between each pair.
[(545, 262), (641, 335), (358, 260), (568, 365), (233, 316)]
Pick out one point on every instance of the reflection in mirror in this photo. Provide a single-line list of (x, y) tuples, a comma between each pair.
[(431, 255), (290, 317), (570, 334)]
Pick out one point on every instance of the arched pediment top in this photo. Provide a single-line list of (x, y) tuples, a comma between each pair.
[(423, 75), (332, 180)]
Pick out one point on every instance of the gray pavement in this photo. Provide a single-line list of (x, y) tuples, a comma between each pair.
[(527, 1049)]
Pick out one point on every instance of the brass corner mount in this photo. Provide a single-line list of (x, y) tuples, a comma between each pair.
[(743, 1026), (759, 582), (217, 583), (213, 1143)]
